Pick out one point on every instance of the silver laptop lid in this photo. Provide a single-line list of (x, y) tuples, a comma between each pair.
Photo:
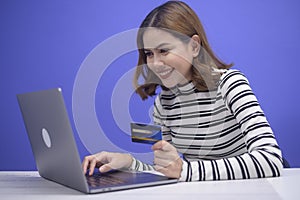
[(51, 138)]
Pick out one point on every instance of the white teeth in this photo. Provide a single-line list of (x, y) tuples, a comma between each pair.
[(165, 72)]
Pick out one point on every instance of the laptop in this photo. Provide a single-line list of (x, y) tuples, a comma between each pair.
[(56, 154)]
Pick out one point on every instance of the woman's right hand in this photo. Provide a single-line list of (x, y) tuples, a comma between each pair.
[(106, 161)]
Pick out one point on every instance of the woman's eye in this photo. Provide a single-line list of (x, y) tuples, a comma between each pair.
[(164, 51), (148, 54)]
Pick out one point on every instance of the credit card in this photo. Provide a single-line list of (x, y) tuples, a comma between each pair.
[(145, 133)]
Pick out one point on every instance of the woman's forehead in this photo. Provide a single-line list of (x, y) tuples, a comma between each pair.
[(154, 38)]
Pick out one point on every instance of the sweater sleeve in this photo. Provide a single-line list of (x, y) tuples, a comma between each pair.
[(138, 165), (263, 157)]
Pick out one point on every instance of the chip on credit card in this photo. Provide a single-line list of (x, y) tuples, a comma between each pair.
[(145, 133)]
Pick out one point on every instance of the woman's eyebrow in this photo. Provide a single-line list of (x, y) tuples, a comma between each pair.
[(161, 45), (157, 47)]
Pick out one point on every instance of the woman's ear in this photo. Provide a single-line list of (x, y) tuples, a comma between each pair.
[(195, 45)]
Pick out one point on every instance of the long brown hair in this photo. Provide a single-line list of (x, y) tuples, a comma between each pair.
[(177, 17)]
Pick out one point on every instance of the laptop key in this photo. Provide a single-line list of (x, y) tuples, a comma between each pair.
[(103, 180)]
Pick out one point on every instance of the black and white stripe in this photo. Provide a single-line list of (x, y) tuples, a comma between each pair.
[(222, 134)]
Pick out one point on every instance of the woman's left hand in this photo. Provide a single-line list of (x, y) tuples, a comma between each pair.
[(166, 159)]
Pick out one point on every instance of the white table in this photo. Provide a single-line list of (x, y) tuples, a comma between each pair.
[(29, 185)]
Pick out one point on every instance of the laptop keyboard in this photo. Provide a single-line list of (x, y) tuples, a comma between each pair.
[(97, 180)]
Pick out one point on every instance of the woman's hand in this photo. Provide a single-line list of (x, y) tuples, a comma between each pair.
[(106, 161), (166, 159)]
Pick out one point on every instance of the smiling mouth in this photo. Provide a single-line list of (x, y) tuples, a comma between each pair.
[(165, 74)]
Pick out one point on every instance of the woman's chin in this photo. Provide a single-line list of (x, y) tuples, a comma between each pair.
[(169, 83)]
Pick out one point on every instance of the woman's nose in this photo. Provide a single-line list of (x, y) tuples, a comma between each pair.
[(157, 61)]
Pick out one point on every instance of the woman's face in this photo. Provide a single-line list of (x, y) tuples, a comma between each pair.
[(168, 57)]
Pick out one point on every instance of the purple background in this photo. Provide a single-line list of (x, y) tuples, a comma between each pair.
[(43, 43)]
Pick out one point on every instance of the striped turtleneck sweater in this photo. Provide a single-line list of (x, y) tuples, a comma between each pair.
[(221, 134)]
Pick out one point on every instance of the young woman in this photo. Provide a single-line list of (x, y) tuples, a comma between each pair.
[(208, 112)]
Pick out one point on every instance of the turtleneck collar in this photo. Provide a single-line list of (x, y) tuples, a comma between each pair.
[(183, 88)]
